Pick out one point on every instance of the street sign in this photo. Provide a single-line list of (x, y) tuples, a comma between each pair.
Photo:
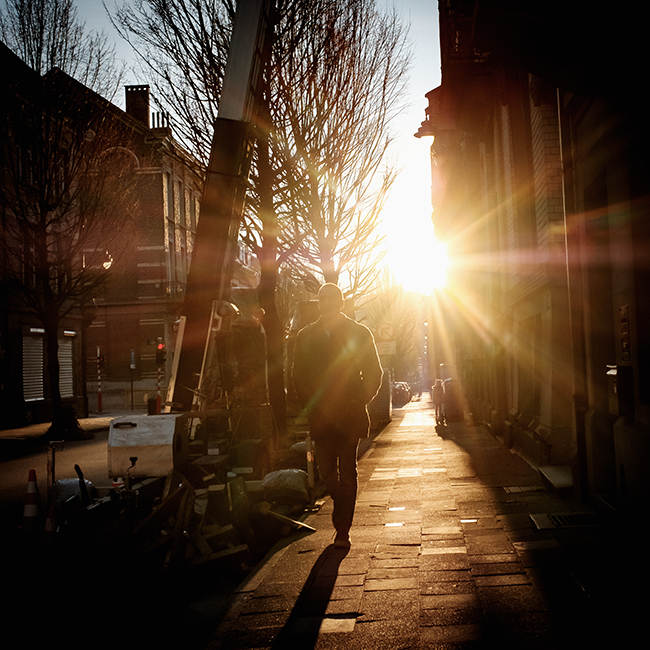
[(386, 348), (385, 332)]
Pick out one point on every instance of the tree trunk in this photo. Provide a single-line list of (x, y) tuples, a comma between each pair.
[(268, 257), (51, 326), (65, 425), (274, 349)]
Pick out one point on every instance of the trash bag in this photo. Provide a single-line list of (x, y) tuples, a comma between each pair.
[(287, 486)]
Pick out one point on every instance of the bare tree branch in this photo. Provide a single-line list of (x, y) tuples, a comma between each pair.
[(67, 194), (48, 33), (182, 46)]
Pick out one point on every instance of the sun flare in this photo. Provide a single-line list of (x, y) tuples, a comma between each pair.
[(417, 260)]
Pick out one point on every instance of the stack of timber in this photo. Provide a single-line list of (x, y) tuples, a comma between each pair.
[(193, 525), (207, 523)]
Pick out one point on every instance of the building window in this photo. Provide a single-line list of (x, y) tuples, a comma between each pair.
[(33, 366), (66, 367)]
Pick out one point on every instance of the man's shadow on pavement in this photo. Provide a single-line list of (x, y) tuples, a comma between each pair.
[(303, 626)]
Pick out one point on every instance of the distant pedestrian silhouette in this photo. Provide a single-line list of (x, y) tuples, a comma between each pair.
[(438, 395)]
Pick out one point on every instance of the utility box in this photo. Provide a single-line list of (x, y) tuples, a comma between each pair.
[(160, 443)]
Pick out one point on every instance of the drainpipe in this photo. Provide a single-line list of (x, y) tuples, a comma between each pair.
[(574, 287)]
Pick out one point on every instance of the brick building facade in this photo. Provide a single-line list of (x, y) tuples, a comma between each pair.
[(142, 305), (540, 186), (107, 346), (143, 299)]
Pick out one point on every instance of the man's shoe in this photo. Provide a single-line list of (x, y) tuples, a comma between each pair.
[(342, 540)]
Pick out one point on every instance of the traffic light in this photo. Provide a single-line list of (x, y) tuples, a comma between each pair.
[(161, 354), (101, 361)]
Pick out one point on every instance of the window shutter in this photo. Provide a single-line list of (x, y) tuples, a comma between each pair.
[(32, 368), (66, 369)]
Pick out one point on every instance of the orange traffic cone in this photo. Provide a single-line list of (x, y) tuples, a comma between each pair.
[(32, 504)]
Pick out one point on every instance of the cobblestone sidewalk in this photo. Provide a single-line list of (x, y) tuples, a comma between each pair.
[(445, 554)]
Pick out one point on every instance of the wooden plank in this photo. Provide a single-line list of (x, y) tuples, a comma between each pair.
[(183, 521), (216, 535), (161, 513), (200, 543)]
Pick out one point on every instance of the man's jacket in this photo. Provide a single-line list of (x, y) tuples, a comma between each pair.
[(335, 375)]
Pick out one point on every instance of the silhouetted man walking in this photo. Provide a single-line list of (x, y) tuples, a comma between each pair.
[(336, 373)]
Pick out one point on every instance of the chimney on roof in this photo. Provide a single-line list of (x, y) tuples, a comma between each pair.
[(137, 103)]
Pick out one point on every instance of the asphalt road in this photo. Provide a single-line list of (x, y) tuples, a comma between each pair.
[(90, 455), (80, 592)]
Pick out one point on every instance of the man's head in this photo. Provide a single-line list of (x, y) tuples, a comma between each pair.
[(330, 300)]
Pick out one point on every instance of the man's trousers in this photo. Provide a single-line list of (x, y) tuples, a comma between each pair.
[(336, 458)]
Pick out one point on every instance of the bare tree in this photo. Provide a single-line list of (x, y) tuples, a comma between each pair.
[(182, 46), (336, 81), (339, 80), (48, 34), (391, 303), (67, 191), (319, 181)]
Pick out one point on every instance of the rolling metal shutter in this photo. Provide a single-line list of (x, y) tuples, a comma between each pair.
[(32, 368), (66, 369)]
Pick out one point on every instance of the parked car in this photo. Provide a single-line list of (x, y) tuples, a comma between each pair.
[(401, 393)]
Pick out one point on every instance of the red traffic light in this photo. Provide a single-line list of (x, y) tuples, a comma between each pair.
[(160, 354)]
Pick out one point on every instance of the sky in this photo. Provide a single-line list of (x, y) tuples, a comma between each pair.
[(407, 217)]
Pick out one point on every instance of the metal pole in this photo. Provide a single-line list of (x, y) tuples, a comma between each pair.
[(51, 467), (99, 381), (131, 369), (158, 396), (225, 187)]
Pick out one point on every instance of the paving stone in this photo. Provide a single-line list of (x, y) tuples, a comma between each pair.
[(451, 634), (378, 605), (448, 587), (337, 625), (347, 593), (265, 605), (355, 565), (394, 562), (350, 580), (252, 637), (444, 576), (449, 601), (275, 620), (396, 634), (468, 567), (442, 532), (445, 550), (488, 544), (445, 562), (494, 559), (461, 616), (391, 583), (454, 541), (275, 589), (346, 607), (497, 568), (519, 598), (502, 580), (383, 573), (394, 551), (480, 525)]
